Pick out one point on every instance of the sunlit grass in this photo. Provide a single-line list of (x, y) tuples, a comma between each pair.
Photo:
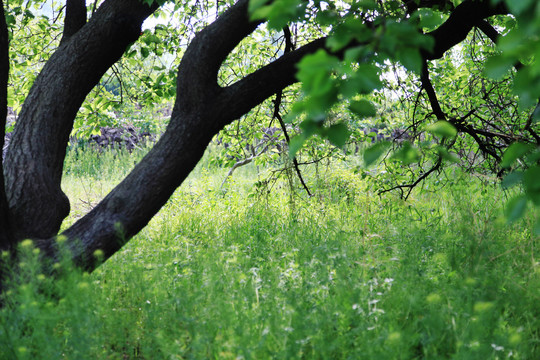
[(243, 272)]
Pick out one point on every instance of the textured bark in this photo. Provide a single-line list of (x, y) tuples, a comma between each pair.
[(202, 108), (6, 239), (5, 235), (75, 18), (35, 158)]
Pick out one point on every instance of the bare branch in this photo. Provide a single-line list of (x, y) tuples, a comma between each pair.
[(411, 186), (277, 104), (432, 96)]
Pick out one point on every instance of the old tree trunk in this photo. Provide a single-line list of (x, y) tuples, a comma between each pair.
[(32, 204)]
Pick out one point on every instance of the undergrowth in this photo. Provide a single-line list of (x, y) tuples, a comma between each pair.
[(240, 273)]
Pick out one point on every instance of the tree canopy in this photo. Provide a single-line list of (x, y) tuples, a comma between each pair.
[(460, 77)]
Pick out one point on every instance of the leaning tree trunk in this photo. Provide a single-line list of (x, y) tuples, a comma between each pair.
[(202, 108), (34, 161)]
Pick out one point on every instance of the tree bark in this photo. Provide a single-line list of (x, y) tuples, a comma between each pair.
[(6, 238), (75, 18), (202, 108), (34, 162), (5, 233)]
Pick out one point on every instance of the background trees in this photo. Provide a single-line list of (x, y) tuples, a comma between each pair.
[(341, 53)]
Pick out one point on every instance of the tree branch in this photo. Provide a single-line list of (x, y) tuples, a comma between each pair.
[(411, 186), (266, 81), (202, 60), (277, 104), (75, 18), (432, 95), (201, 109), (458, 123), (494, 35), (461, 21)]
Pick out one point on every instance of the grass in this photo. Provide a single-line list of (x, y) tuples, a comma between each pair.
[(246, 273)]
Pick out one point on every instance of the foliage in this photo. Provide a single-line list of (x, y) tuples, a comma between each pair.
[(477, 86), (34, 35)]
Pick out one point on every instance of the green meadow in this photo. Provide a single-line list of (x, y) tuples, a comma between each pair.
[(257, 270)]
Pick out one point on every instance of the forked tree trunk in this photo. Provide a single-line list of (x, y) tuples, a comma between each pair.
[(34, 162), (202, 108)]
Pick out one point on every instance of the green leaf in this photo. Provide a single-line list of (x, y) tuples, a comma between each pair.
[(430, 19), (512, 179), (497, 67), (256, 4), (536, 229), (531, 181), (352, 28), (278, 12), (10, 20), (373, 153), (315, 72), (145, 52), (363, 81), (363, 108), (446, 155), (408, 154), (358, 54), (536, 115), (411, 59), (341, 37), (527, 87), (366, 4), (518, 6), (338, 134), (442, 129), (311, 126), (516, 208), (514, 152), (296, 144)]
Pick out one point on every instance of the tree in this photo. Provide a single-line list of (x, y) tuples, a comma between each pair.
[(352, 38)]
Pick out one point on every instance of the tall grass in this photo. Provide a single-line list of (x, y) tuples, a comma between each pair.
[(241, 273)]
